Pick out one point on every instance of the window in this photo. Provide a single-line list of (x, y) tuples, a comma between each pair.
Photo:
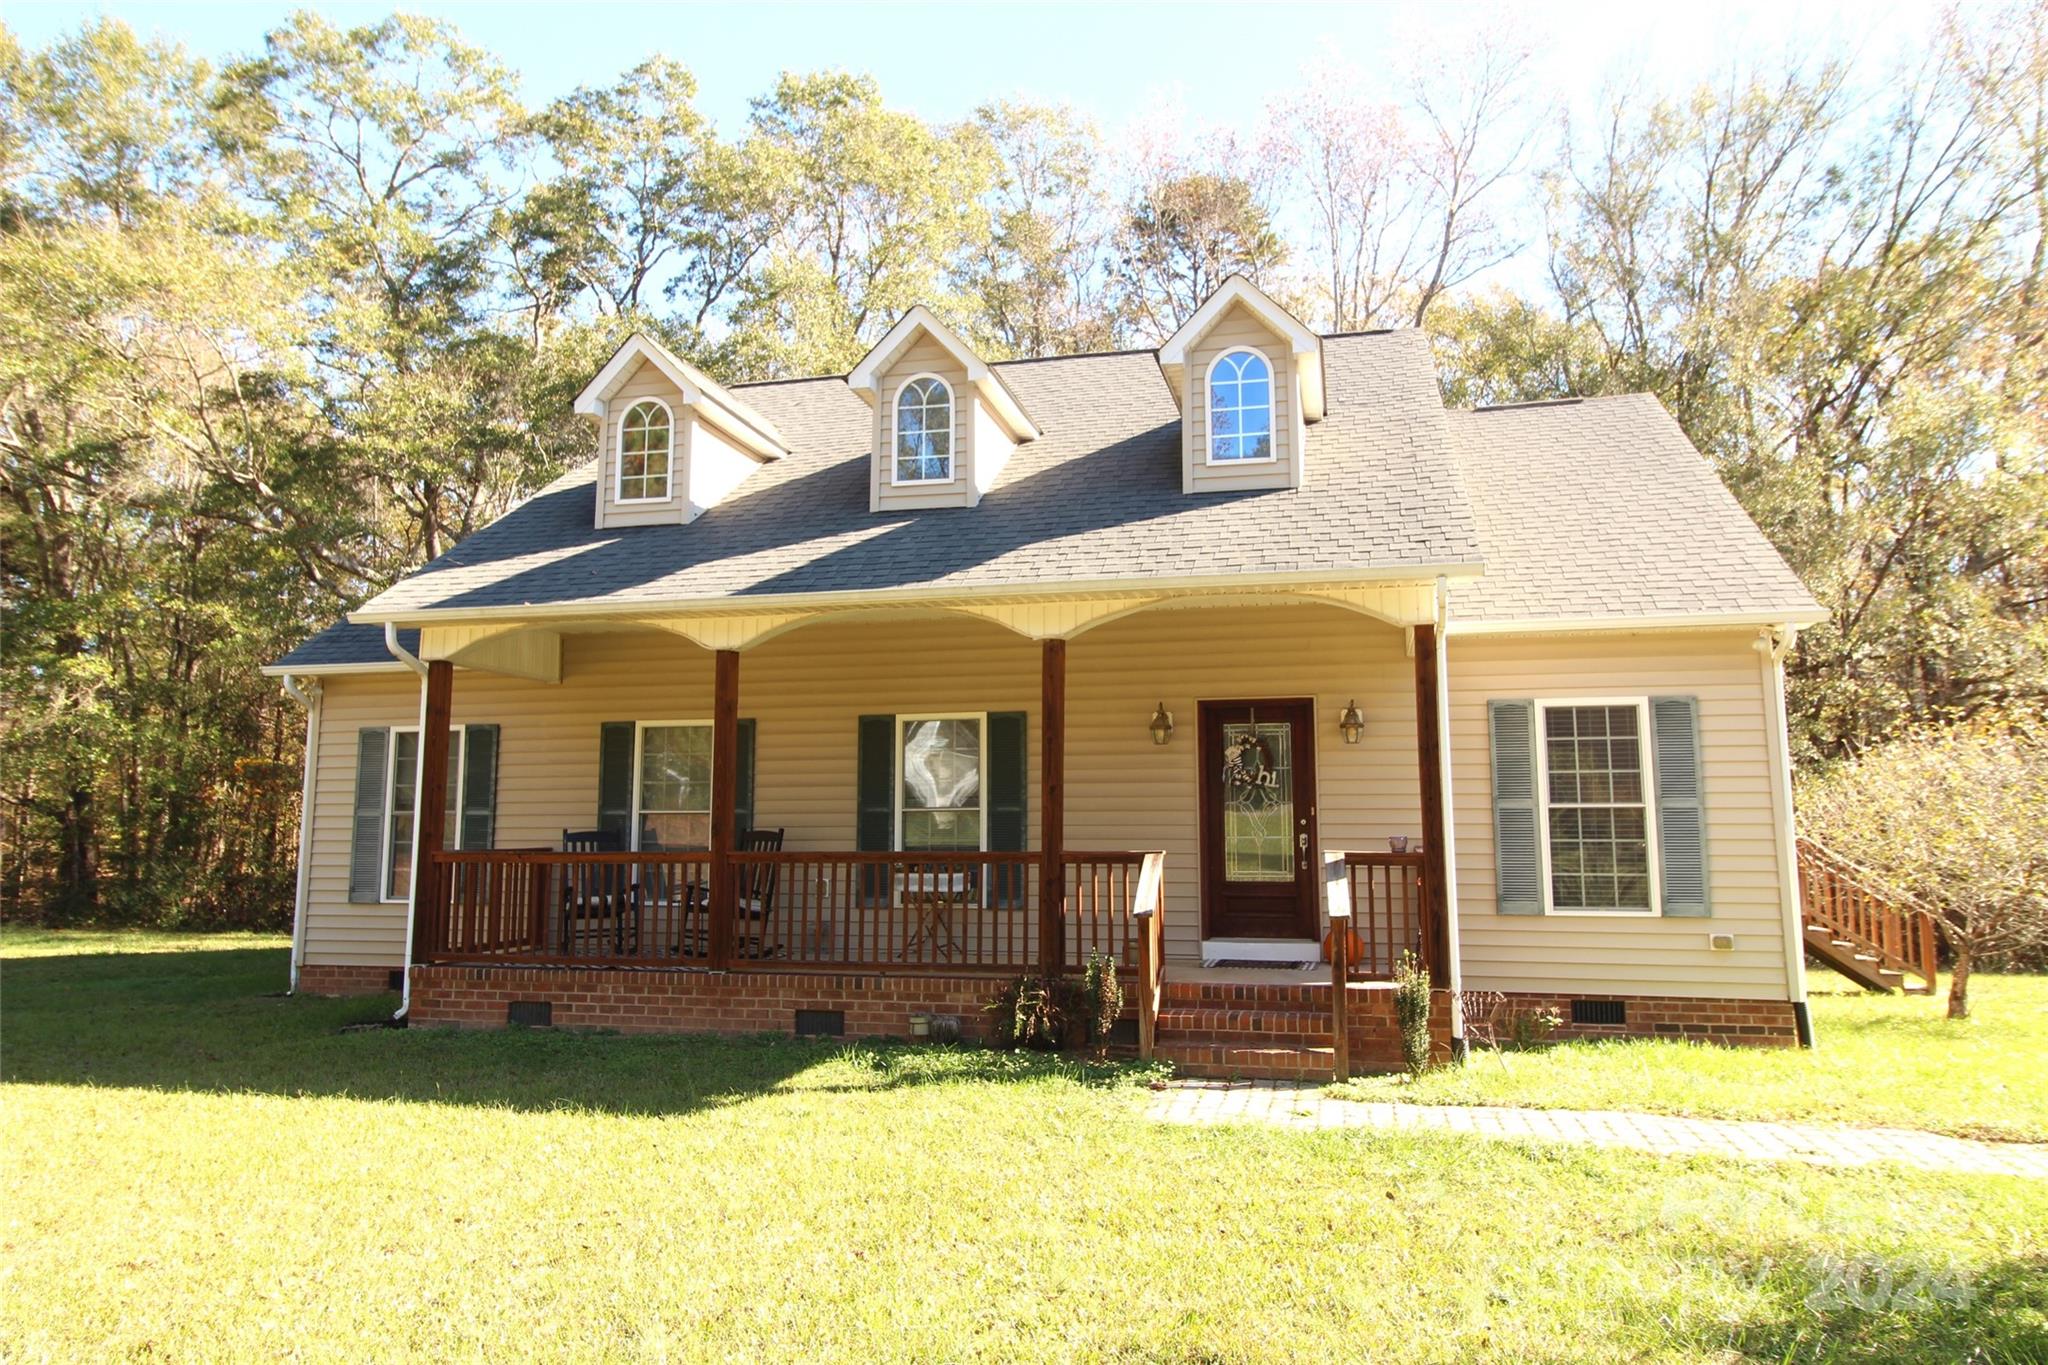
[(646, 436), (1240, 407), (1594, 787), (672, 786), (940, 797), (398, 803), (924, 431)]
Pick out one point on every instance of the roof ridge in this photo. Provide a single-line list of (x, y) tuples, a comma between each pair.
[(1533, 403)]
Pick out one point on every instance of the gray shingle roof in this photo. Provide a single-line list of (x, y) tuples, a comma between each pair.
[(344, 644), (1096, 498), (1597, 509), (1603, 508)]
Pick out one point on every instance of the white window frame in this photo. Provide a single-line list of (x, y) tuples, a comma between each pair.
[(1272, 409), (619, 455), (1641, 705), (903, 722), (640, 729), (952, 437), (458, 744)]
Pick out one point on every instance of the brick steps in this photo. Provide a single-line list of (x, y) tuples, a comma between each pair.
[(1227, 1061), (1302, 1028)]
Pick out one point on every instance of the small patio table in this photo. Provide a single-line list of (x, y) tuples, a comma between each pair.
[(932, 897)]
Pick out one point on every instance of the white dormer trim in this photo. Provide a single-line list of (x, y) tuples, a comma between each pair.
[(952, 433), (668, 478), (865, 378), (1301, 339), (748, 429)]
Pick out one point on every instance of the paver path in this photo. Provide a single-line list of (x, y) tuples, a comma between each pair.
[(1292, 1104)]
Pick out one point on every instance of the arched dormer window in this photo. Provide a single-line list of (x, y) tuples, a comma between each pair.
[(1240, 407), (924, 431), (646, 441)]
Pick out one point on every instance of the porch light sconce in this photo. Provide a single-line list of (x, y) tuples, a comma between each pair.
[(1351, 723), (1162, 724)]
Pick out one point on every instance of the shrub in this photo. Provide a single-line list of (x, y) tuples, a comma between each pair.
[(1102, 999), (1411, 1012), (1030, 1011)]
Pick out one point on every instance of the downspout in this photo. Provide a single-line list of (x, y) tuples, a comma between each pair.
[(412, 886), (1772, 646), (307, 696), (1454, 951)]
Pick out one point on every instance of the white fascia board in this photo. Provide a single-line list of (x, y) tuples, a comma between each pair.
[(865, 378), (753, 431), (328, 670), (916, 596), (1301, 339), (1704, 620)]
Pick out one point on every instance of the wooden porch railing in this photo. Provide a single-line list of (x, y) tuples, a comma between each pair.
[(1872, 939), (887, 913), (1388, 911)]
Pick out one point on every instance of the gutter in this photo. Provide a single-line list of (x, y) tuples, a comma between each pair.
[(746, 604), (308, 696), (1772, 646), (412, 886)]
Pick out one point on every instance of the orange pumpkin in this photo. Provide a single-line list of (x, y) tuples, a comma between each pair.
[(1354, 946)]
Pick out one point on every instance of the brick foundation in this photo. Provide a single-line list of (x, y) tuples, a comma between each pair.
[(345, 979), (642, 1000), (1741, 1023)]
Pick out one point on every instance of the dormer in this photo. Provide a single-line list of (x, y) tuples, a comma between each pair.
[(945, 423), (1248, 376), (670, 441)]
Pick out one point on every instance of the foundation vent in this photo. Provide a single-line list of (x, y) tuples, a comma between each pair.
[(531, 1013), (820, 1023), (1599, 1011), (396, 981)]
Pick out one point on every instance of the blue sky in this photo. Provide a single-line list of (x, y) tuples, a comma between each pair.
[(1114, 61)]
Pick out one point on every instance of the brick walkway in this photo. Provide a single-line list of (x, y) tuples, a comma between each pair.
[(1290, 1104)]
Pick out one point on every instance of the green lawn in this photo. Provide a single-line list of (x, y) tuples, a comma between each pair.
[(191, 1168), (1894, 1060)]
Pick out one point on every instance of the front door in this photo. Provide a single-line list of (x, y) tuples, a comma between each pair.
[(1258, 819)]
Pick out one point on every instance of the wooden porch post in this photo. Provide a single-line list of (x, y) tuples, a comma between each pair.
[(725, 759), (430, 805), (1429, 753), (1052, 807)]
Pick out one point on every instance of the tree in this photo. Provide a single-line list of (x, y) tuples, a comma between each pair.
[(876, 207), (1038, 277), (1957, 821), (1182, 237)]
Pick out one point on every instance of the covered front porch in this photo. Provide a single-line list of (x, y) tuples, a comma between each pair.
[(1119, 845)]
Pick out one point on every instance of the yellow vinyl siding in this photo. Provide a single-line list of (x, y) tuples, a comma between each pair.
[(807, 689), (1239, 328), (644, 382), (924, 356), (1626, 955)]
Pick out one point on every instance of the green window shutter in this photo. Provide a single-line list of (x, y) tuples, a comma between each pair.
[(1517, 855), (1009, 799), (1681, 812), (615, 780), (875, 827), (479, 787), (743, 780), (366, 835)]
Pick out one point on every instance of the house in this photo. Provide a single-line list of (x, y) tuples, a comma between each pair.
[(828, 704)]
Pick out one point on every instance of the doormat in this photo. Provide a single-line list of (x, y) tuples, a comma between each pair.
[(1247, 964)]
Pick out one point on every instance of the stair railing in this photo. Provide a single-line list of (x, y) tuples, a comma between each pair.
[(1836, 894)]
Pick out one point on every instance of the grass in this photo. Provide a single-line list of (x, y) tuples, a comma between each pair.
[(192, 1168), (1883, 1060)]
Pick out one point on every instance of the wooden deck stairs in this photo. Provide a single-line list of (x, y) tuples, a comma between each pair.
[(1880, 944)]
